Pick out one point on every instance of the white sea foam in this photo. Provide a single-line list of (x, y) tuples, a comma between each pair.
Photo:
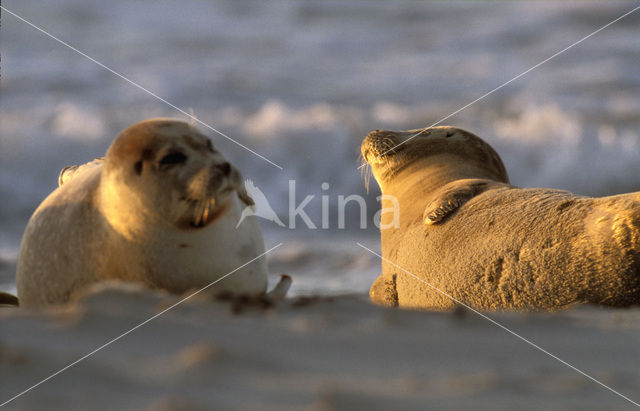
[(74, 122)]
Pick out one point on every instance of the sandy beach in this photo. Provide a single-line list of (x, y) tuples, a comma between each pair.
[(325, 353)]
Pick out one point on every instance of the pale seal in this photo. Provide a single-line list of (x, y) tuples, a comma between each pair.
[(161, 209), (466, 231)]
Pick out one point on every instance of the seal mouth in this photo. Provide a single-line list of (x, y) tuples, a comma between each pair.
[(378, 154), (204, 212), (379, 145), (200, 212), (208, 198)]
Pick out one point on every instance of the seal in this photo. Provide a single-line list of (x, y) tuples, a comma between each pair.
[(160, 209), (8, 299), (465, 231)]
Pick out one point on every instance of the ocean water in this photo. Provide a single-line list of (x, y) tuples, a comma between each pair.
[(302, 82)]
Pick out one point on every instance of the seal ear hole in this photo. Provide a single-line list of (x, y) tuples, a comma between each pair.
[(138, 167), (173, 158)]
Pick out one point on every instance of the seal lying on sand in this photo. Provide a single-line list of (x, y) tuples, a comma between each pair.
[(160, 210), (469, 233)]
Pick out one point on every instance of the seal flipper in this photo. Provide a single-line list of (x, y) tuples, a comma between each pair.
[(451, 197), (69, 172), (66, 174), (8, 299), (280, 290), (383, 291)]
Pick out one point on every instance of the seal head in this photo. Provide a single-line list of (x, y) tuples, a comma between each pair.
[(147, 158), (389, 153)]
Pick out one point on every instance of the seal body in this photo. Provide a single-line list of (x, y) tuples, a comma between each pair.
[(160, 209), (466, 234)]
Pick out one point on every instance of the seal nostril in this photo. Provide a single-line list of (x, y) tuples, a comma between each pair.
[(225, 168)]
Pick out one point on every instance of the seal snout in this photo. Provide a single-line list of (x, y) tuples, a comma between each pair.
[(379, 143), (223, 168), (207, 197), (224, 177)]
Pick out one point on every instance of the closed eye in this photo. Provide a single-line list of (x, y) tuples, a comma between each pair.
[(173, 158)]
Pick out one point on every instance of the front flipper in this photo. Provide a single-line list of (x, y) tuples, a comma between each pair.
[(69, 172), (383, 291), (8, 299), (451, 197), (280, 290)]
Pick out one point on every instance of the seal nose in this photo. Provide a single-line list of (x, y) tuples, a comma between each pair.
[(375, 135), (378, 143), (224, 168)]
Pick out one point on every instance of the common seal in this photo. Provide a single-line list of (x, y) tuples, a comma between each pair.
[(160, 209), (466, 231)]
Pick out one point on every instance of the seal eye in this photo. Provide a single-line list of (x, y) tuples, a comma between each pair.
[(173, 158), (210, 146), (137, 167)]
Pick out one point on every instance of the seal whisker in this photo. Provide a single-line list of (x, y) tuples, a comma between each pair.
[(367, 173), (195, 220), (197, 213), (205, 212), (388, 143)]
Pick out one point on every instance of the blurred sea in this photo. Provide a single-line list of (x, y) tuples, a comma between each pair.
[(302, 82)]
